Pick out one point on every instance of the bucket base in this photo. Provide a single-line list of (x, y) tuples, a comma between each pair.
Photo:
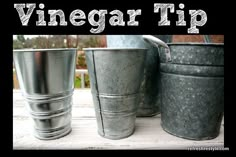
[(147, 113), (189, 138), (112, 137), (53, 135)]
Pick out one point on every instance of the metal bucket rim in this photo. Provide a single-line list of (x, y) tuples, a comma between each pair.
[(114, 48), (195, 44), (42, 50)]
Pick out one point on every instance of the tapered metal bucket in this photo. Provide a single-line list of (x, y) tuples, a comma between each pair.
[(192, 88), (150, 88), (46, 79), (115, 77)]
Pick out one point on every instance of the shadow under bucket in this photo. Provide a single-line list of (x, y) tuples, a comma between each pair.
[(192, 89), (115, 77), (46, 78)]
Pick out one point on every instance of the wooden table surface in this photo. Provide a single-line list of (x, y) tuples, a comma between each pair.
[(148, 132)]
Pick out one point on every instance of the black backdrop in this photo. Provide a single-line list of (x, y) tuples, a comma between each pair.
[(218, 22)]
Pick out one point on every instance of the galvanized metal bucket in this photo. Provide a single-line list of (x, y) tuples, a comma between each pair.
[(192, 88), (46, 79), (115, 78), (150, 88)]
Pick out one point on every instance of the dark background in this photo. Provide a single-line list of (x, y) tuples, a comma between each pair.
[(148, 20), (218, 22)]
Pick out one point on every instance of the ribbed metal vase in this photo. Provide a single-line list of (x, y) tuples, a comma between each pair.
[(115, 77), (46, 78)]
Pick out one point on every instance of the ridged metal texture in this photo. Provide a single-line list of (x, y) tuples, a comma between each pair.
[(115, 78), (46, 78)]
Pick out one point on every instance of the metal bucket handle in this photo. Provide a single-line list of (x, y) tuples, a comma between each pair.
[(157, 42)]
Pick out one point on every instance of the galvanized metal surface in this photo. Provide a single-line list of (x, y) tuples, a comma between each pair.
[(46, 78), (192, 87), (150, 93), (115, 78), (192, 106), (208, 54), (148, 132)]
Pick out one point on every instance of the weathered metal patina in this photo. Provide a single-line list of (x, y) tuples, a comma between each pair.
[(192, 89), (115, 77), (150, 88)]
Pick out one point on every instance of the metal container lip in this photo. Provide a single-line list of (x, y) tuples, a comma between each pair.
[(44, 50), (195, 44), (114, 48)]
